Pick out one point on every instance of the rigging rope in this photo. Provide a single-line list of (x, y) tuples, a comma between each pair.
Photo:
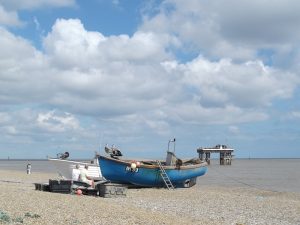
[(242, 182)]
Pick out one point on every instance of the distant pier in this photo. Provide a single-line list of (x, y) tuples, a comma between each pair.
[(225, 154)]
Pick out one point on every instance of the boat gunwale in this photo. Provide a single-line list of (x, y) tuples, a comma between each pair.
[(72, 161), (182, 167)]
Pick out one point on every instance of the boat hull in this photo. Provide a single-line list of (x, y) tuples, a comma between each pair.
[(65, 167), (148, 175)]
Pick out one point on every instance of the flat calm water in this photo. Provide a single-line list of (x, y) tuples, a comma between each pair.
[(282, 175), (43, 166)]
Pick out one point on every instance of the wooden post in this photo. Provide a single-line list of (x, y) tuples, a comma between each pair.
[(222, 158), (201, 156), (207, 157)]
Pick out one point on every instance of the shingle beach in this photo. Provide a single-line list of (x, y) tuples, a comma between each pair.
[(22, 204)]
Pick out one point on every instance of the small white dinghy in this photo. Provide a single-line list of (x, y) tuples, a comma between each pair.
[(65, 167)]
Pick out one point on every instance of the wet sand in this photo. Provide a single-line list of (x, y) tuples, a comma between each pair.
[(201, 204)]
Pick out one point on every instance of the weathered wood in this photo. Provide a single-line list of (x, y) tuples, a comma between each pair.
[(41, 186), (60, 186), (111, 190), (102, 189)]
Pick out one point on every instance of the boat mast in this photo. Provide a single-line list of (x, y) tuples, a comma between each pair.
[(172, 140)]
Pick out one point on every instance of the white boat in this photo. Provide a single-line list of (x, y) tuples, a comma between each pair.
[(65, 167)]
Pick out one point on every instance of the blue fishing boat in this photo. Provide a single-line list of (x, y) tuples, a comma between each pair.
[(151, 173)]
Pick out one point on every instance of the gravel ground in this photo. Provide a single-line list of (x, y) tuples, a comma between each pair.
[(21, 204)]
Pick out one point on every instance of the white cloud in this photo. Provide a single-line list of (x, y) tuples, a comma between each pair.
[(37, 23), (85, 72), (133, 85), (53, 122), (33, 4), (9, 9), (190, 66), (4, 118), (70, 45), (159, 126), (193, 113), (257, 22), (246, 85), (234, 129), (293, 115), (11, 130), (231, 29), (39, 131), (116, 2), (22, 70), (9, 18), (15, 48), (129, 82)]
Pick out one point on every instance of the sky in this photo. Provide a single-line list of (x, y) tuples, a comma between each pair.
[(76, 75)]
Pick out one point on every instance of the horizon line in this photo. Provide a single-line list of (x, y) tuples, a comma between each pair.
[(87, 159)]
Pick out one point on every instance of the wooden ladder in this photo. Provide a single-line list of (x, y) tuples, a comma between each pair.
[(165, 176)]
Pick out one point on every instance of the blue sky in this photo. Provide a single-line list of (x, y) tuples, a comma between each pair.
[(76, 75)]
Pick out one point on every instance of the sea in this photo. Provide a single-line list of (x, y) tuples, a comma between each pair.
[(278, 175)]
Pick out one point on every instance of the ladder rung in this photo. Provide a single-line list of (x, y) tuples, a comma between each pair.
[(165, 176)]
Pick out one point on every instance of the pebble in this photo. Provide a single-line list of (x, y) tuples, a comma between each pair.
[(197, 205)]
